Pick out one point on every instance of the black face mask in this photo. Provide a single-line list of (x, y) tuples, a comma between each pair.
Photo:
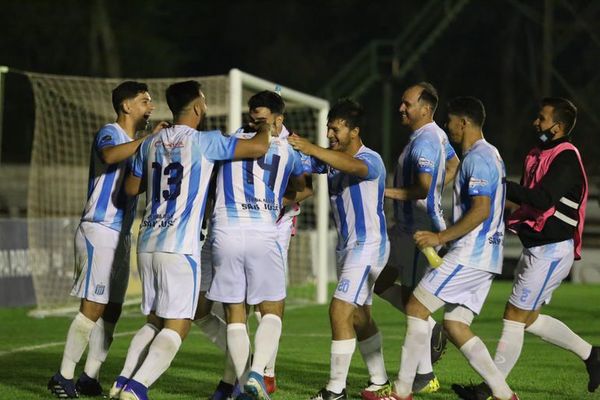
[(546, 135)]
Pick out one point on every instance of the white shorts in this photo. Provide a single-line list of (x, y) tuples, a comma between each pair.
[(206, 265), (284, 235), (458, 284), (406, 257), (539, 272), (357, 271), (101, 263), (170, 284), (248, 265)]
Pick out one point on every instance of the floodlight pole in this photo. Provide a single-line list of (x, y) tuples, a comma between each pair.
[(3, 71)]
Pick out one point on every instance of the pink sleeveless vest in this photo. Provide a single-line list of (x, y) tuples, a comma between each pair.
[(537, 164)]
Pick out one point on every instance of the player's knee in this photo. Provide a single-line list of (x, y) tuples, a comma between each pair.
[(421, 303), (341, 312), (514, 313), (204, 307), (92, 310)]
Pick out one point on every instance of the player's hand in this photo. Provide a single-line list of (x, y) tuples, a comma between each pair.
[(264, 126), (427, 239), (301, 144), (160, 125)]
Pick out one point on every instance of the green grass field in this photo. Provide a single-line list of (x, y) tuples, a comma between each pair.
[(30, 352)]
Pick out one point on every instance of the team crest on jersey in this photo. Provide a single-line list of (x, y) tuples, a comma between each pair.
[(100, 290)]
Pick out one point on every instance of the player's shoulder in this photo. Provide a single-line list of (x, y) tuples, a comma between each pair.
[(110, 131)]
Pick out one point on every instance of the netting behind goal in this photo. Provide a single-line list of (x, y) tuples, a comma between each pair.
[(68, 113)]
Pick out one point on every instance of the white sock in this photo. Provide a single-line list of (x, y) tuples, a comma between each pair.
[(509, 346), (425, 366), (215, 329), (393, 295), (371, 351), (78, 338), (265, 341), (238, 347), (270, 368), (138, 348), (161, 353), (412, 349), (481, 361), (100, 341), (258, 316), (341, 356), (554, 331)]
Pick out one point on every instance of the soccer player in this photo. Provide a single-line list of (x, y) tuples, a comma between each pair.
[(427, 162), (462, 282), (102, 243), (265, 107), (175, 166), (549, 221), (247, 203), (356, 176)]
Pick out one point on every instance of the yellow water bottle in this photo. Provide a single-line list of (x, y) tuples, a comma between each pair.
[(432, 256)]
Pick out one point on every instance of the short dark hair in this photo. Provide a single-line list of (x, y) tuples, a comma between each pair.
[(349, 110), (181, 94), (429, 95), (268, 99), (564, 111), (468, 107), (125, 91)]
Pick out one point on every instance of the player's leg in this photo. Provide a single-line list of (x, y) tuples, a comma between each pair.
[(370, 346), (95, 251), (178, 286)]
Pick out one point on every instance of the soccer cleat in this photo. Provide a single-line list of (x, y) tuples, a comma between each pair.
[(514, 397), (62, 387), (134, 391), (255, 387), (88, 386), (439, 340), (270, 383), (117, 387), (426, 383), (385, 393), (224, 391), (592, 364), (473, 392), (325, 394)]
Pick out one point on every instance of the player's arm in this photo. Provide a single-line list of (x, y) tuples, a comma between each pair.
[(451, 168), (116, 154), (416, 191), (255, 147), (133, 185), (336, 159), (479, 212), (293, 196)]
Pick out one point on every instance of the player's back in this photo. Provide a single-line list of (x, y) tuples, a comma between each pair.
[(177, 163), (481, 173), (250, 191), (107, 203), (426, 152), (357, 203)]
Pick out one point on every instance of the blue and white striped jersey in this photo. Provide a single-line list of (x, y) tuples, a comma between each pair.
[(426, 152), (481, 173), (176, 164), (357, 203), (250, 191), (107, 203)]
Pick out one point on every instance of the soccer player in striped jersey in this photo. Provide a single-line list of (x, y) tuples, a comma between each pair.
[(102, 243), (356, 180), (248, 201), (426, 163), (174, 166), (549, 221), (462, 282)]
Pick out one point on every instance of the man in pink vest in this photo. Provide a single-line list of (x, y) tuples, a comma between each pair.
[(549, 221)]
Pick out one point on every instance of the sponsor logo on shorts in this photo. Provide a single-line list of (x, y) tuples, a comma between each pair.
[(99, 290), (343, 286)]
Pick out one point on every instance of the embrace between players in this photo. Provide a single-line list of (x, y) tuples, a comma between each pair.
[(258, 177)]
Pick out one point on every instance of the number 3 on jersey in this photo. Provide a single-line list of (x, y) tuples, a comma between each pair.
[(174, 171)]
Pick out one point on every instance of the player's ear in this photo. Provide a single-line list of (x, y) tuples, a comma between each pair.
[(126, 106), (355, 131)]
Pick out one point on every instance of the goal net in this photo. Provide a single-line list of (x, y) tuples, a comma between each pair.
[(69, 111)]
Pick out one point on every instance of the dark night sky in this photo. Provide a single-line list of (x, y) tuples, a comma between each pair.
[(492, 51)]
